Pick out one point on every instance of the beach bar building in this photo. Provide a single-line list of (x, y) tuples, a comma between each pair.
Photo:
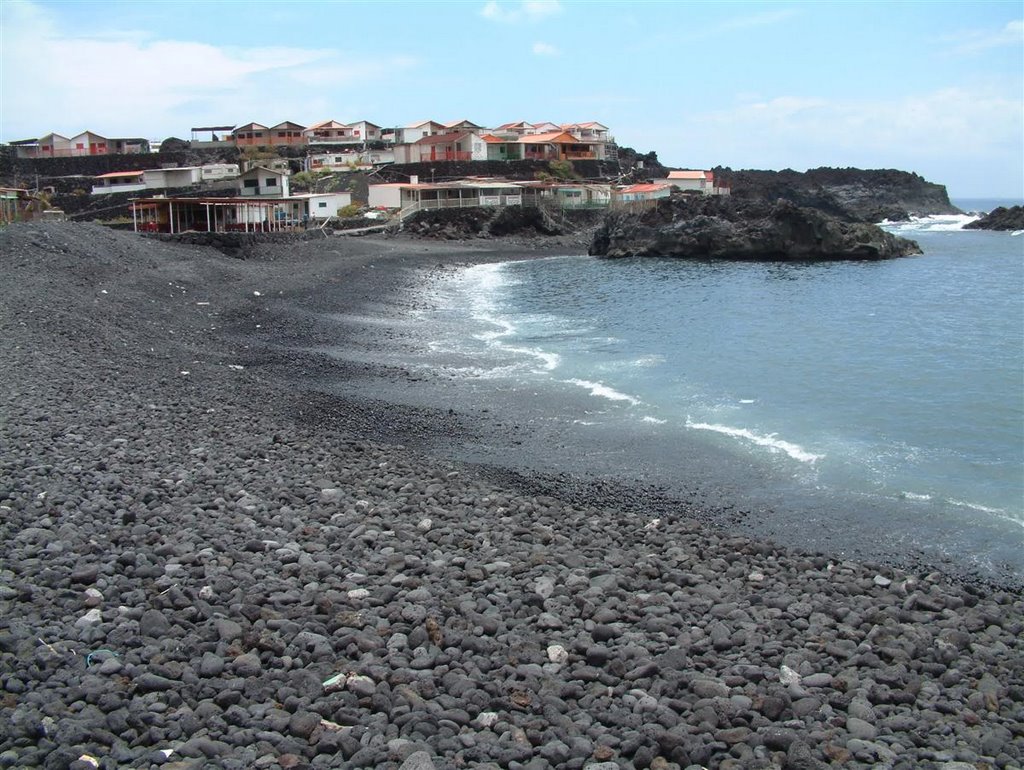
[(240, 214), (412, 196)]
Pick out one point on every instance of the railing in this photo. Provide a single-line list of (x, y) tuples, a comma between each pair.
[(430, 157), (459, 203), (641, 205), (334, 140)]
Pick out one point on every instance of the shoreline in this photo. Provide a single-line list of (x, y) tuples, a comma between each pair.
[(209, 558), (493, 436)]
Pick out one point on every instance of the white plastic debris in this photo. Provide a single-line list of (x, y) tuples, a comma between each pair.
[(256, 294), (558, 654), (788, 676), (88, 759)]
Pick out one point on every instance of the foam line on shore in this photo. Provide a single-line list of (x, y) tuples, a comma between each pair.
[(770, 441)]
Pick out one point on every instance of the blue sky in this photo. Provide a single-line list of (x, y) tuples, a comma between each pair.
[(936, 88)]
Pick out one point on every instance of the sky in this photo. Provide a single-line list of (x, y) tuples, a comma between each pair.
[(936, 88)]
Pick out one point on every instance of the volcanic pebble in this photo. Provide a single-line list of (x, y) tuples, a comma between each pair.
[(214, 569)]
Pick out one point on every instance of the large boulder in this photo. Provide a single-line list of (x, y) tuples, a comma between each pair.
[(721, 228)]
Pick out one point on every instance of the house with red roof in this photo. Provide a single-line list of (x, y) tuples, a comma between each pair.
[(692, 181), (640, 195), (459, 145), (287, 133), (251, 135)]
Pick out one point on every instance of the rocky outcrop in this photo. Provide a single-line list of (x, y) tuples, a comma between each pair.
[(858, 195), (1002, 218), (724, 228)]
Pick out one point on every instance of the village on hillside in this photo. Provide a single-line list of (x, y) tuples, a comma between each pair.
[(258, 192)]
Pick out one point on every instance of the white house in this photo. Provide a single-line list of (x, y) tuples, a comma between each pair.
[(322, 205), (702, 182), (644, 193), (119, 181), (348, 160), (263, 182), (149, 179), (185, 176), (215, 171), (464, 193), (414, 131)]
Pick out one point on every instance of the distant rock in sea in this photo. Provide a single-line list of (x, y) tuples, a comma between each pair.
[(743, 229), (1002, 218)]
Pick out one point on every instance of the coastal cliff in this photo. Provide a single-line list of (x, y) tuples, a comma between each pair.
[(745, 229), (858, 195)]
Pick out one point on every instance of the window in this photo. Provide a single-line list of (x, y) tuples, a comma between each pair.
[(322, 204), (252, 183), (282, 134), (270, 182)]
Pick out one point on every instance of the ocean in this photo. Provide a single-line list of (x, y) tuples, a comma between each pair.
[(869, 409)]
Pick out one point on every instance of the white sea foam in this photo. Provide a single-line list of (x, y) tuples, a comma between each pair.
[(748, 400), (915, 496), (770, 441), (997, 512), (1017, 232), (654, 420), (603, 391), (935, 223), (651, 360)]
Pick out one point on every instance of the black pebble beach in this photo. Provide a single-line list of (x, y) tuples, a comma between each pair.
[(208, 564)]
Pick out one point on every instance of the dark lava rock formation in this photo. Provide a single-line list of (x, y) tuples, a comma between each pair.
[(1002, 218), (859, 195), (725, 228)]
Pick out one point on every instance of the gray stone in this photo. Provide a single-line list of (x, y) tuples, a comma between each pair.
[(154, 624), (709, 688), (247, 664), (858, 728), (418, 760)]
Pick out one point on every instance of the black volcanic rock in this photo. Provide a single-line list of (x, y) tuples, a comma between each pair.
[(1002, 218), (723, 228), (859, 195)]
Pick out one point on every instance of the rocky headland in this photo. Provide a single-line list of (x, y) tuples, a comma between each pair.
[(1002, 218), (210, 563), (853, 194), (732, 227)]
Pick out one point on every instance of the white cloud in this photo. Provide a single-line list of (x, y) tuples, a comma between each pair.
[(762, 19), (980, 129), (545, 49), (125, 83), (526, 10), (975, 41)]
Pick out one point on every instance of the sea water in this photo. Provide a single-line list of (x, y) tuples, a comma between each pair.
[(874, 407)]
